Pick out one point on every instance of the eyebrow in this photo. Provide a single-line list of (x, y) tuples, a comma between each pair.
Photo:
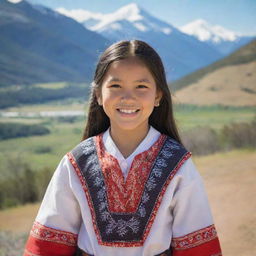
[(143, 80)]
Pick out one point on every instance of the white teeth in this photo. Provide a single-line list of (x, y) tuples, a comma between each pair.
[(127, 111)]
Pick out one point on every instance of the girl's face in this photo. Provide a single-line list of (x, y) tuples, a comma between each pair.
[(128, 95)]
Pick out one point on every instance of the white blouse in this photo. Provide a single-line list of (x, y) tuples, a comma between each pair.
[(184, 207), (125, 163)]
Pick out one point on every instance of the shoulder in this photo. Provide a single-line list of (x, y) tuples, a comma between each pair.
[(174, 149), (174, 143), (188, 175), (187, 169)]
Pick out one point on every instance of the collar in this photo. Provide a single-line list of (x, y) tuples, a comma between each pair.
[(146, 143)]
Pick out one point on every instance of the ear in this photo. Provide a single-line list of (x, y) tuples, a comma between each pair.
[(99, 98), (99, 101), (158, 98)]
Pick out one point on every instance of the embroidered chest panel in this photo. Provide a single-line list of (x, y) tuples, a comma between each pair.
[(124, 196), (124, 211)]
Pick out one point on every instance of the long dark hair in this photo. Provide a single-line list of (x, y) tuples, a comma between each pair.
[(161, 118)]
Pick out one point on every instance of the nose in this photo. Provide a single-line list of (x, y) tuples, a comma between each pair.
[(127, 96)]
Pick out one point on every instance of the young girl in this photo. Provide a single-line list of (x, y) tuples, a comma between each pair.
[(129, 188)]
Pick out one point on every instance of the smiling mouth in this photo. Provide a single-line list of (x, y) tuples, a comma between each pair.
[(128, 111)]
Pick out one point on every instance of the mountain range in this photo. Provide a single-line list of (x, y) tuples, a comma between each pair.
[(181, 53), (39, 44), (214, 35), (182, 50), (224, 40)]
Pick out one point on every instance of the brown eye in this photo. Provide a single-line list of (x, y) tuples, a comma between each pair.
[(142, 86), (114, 86)]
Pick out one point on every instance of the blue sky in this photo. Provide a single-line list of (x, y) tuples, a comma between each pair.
[(236, 15)]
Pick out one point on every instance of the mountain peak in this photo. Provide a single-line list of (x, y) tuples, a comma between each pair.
[(131, 12), (205, 31), (201, 22)]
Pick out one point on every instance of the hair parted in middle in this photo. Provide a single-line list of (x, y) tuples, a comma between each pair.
[(161, 118)]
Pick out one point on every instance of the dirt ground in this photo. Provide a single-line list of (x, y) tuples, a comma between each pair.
[(230, 181)]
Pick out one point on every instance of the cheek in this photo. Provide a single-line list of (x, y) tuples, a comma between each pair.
[(105, 95), (148, 98), (108, 99)]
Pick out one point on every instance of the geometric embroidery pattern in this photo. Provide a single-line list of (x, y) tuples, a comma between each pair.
[(125, 226), (42, 232), (195, 239)]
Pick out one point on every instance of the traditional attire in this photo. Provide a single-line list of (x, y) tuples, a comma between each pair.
[(151, 203)]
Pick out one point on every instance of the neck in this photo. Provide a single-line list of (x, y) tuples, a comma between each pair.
[(127, 141)]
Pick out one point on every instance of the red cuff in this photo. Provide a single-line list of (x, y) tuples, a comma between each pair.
[(45, 241), (203, 242)]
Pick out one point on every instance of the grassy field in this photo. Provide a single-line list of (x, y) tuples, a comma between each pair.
[(189, 116), (57, 105), (65, 135)]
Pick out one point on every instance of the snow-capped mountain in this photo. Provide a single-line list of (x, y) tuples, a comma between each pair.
[(180, 52), (217, 36), (132, 13), (204, 31)]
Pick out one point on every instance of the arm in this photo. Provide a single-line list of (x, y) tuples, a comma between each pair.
[(57, 224), (193, 229)]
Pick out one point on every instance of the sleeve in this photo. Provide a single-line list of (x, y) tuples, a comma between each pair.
[(57, 224), (193, 230)]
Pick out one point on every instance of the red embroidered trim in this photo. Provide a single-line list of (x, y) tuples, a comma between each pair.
[(42, 232), (194, 239), (27, 253), (153, 215), (125, 196)]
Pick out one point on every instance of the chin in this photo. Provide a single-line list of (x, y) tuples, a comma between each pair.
[(132, 127)]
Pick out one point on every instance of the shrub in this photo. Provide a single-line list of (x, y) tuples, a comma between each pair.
[(41, 149), (22, 184), (201, 140), (67, 119), (239, 135), (43, 177), (15, 130)]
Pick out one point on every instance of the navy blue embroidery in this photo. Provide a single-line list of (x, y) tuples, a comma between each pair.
[(125, 227)]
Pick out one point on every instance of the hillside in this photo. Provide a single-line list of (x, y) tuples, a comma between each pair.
[(230, 81), (40, 45)]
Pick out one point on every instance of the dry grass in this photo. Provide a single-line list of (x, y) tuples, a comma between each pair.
[(18, 219), (231, 85), (230, 183)]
